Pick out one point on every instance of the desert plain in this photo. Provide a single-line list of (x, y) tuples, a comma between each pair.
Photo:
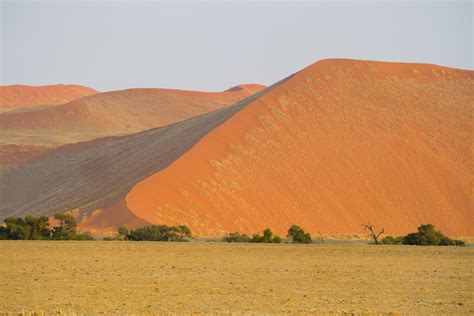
[(99, 277)]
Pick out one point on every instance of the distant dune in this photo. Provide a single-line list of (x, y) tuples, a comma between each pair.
[(336, 145), (113, 113), (19, 96)]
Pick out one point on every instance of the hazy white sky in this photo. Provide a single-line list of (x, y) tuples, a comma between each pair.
[(212, 46)]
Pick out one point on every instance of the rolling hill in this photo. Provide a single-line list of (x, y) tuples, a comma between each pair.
[(336, 145), (20, 97), (113, 113)]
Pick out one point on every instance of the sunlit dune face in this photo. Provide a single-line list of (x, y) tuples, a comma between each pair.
[(339, 144)]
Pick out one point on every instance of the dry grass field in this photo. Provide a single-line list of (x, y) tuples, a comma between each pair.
[(199, 277)]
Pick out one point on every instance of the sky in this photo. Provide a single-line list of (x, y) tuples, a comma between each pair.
[(211, 46)]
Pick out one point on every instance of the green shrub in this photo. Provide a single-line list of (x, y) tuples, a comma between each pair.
[(160, 233), (428, 236), (37, 227), (267, 237), (184, 232), (123, 232), (298, 235), (459, 243), (83, 236), (276, 239), (16, 228), (256, 238), (67, 229), (390, 240), (30, 227), (235, 237), (3, 232)]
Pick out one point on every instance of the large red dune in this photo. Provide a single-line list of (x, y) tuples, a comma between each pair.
[(340, 144), (114, 113), (20, 96)]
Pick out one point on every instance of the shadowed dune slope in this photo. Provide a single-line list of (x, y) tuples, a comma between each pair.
[(113, 113), (340, 144), (88, 176), (12, 155), (19, 96)]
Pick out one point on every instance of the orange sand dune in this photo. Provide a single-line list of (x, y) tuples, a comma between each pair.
[(114, 113), (339, 144), (19, 96)]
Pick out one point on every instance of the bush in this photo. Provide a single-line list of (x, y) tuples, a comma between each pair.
[(428, 236), (459, 243), (30, 227), (159, 233), (123, 232), (67, 229), (276, 239), (235, 237), (83, 236), (267, 237), (37, 227), (3, 232), (390, 240), (298, 235), (16, 228)]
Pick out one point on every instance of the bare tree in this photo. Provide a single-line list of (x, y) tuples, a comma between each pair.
[(373, 232)]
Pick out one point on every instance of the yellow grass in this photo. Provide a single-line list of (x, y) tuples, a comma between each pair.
[(155, 278)]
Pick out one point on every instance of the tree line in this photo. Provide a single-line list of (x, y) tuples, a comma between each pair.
[(178, 233), (426, 235), (33, 227), (295, 233)]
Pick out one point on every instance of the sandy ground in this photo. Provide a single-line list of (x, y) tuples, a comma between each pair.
[(152, 278)]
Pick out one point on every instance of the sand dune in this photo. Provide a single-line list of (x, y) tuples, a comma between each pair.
[(93, 175), (113, 113), (338, 144), (341, 143), (18, 96)]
